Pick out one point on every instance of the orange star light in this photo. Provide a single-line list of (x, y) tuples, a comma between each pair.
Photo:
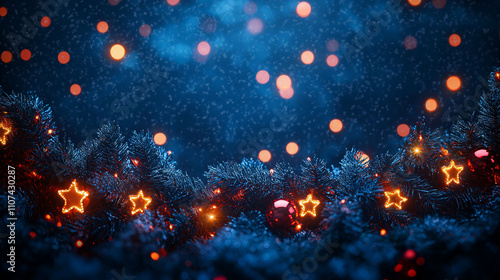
[(395, 199), (452, 173), (4, 131), (140, 202), (73, 198), (308, 210)]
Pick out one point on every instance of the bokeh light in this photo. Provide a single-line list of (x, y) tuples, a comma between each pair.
[(45, 21), (75, 89), (6, 56), (398, 268), (420, 261), (336, 125), (414, 2), (173, 2), (102, 27), (410, 42), (403, 130), (332, 45), (412, 273), (155, 256), (117, 51), (160, 138), (3, 11), (292, 148), (114, 2), (287, 94), (203, 48), (454, 40), (265, 156), (439, 4), (63, 57), (453, 83), (431, 105), (303, 9), (145, 30), (283, 82), (364, 158), (262, 77), (307, 57), (250, 8), (255, 26), (79, 243), (332, 60)]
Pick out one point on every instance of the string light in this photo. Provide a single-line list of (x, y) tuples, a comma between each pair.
[(395, 199), (140, 202), (73, 198), (308, 210), (4, 132), (452, 172)]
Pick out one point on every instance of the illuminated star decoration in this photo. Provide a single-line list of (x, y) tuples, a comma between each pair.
[(140, 202), (395, 199), (311, 209), (452, 173), (4, 131), (73, 198)]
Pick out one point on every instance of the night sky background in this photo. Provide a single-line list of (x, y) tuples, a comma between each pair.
[(212, 109)]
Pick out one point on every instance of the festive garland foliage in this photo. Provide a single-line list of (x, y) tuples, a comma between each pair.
[(126, 203)]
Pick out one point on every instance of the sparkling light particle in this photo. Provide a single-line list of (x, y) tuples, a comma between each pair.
[(283, 82), (203, 48), (403, 130), (414, 2), (453, 83), (25, 54), (307, 57), (410, 43), (173, 2), (63, 57), (265, 156), (117, 51), (160, 138), (287, 94), (303, 9), (145, 30), (336, 125), (255, 26), (431, 105), (155, 256), (6, 56), (292, 148), (102, 27), (332, 60), (262, 77), (454, 40), (3, 11), (45, 21), (75, 89)]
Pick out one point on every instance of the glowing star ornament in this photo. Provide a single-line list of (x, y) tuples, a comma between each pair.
[(394, 199), (140, 202), (73, 198), (4, 131), (452, 172), (308, 206)]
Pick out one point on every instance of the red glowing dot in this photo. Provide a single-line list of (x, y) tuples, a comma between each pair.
[(155, 256), (410, 254), (75, 89), (283, 82), (303, 9), (59, 224), (431, 105), (79, 243), (414, 2), (383, 232), (412, 273), (287, 94), (439, 4), (264, 155), (145, 30), (255, 26), (188, 263), (160, 138), (403, 130), (220, 277), (117, 51), (114, 2), (173, 2), (45, 21), (102, 27), (32, 234), (25, 54), (420, 261), (262, 77), (292, 148), (332, 60), (454, 40), (203, 48), (3, 11), (6, 56), (453, 83), (50, 131), (336, 125), (332, 45), (307, 57), (410, 43), (398, 268), (47, 217), (63, 57)]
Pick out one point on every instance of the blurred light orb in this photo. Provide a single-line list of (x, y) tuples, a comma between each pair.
[(262, 77), (303, 9), (145, 30), (403, 130), (332, 45), (75, 89), (292, 148), (336, 125), (453, 83), (265, 156), (6, 56), (45, 21), (63, 57), (114, 2), (3, 11), (25, 54), (439, 4), (431, 105), (307, 57), (255, 26), (410, 43), (250, 8), (173, 2), (454, 40), (361, 156), (414, 2), (332, 60), (283, 82), (203, 48), (287, 94), (160, 138), (102, 27), (117, 51)]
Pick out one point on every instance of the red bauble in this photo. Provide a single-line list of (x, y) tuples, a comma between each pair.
[(482, 162), (282, 215)]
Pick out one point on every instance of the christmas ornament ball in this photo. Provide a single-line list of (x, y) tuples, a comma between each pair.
[(483, 162), (282, 214)]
